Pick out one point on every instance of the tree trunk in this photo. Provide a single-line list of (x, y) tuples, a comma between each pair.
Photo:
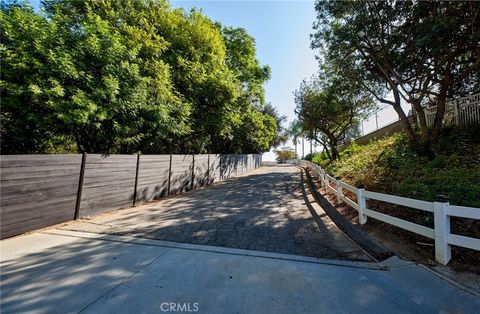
[(438, 122), (422, 120), (325, 148), (335, 154), (403, 117), (333, 146)]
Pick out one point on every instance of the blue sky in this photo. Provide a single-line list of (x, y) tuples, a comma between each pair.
[(281, 30)]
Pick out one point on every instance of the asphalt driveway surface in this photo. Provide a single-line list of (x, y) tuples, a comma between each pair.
[(264, 210)]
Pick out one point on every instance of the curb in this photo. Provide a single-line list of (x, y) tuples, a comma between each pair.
[(367, 242)]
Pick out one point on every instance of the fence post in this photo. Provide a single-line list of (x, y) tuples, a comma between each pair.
[(362, 204), (456, 112), (319, 175), (80, 186), (442, 229), (136, 180), (221, 160), (193, 172), (208, 169), (169, 174), (339, 190), (236, 166)]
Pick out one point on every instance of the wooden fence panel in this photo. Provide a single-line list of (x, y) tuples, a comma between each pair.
[(242, 161), (37, 191), (152, 177), (227, 167), (215, 171), (239, 164), (257, 161), (41, 190), (201, 175), (109, 183), (181, 177)]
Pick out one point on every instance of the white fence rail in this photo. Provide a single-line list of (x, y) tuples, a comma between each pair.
[(440, 207), (463, 110)]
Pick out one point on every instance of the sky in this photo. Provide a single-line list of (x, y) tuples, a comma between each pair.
[(282, 31)]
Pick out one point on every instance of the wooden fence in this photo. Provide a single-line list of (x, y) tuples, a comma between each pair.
[(440, 207), (42, 190)]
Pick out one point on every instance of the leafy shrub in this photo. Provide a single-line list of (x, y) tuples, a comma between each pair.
[(320, 158), (390, 165)]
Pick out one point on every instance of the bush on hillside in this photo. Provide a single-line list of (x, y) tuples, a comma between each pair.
[(390, 165)]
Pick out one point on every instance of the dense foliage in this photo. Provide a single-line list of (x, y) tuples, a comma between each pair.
[(420, 51), (390, 165), (124, 76)]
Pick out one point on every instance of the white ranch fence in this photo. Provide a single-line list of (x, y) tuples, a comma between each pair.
[(442, 211), (463, 110)]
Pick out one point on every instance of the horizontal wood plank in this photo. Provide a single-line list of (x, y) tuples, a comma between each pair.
[(398, 200), (103, 189), (410, 226), (35, 188)]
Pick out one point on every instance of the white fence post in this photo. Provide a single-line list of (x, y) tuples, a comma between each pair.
[(339, 190), (442, 229), (362, 204)]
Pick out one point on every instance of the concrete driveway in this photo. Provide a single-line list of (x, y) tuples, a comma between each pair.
[(76, 272)]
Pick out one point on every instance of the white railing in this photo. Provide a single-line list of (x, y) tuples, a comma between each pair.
[(463, 110), (440, 207)]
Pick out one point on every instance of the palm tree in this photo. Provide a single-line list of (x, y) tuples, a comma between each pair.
[(295, 130)]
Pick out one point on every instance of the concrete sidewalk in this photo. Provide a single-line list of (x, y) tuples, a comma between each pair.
[(59, 271)]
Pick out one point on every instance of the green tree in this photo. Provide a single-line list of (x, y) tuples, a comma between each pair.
[(256, 134), (280, 134), (295, 131), (89, 81), (415, 50), (250, 127), (329, 107), (284, 154), (125, 76), (26, 85), (241, 59)]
